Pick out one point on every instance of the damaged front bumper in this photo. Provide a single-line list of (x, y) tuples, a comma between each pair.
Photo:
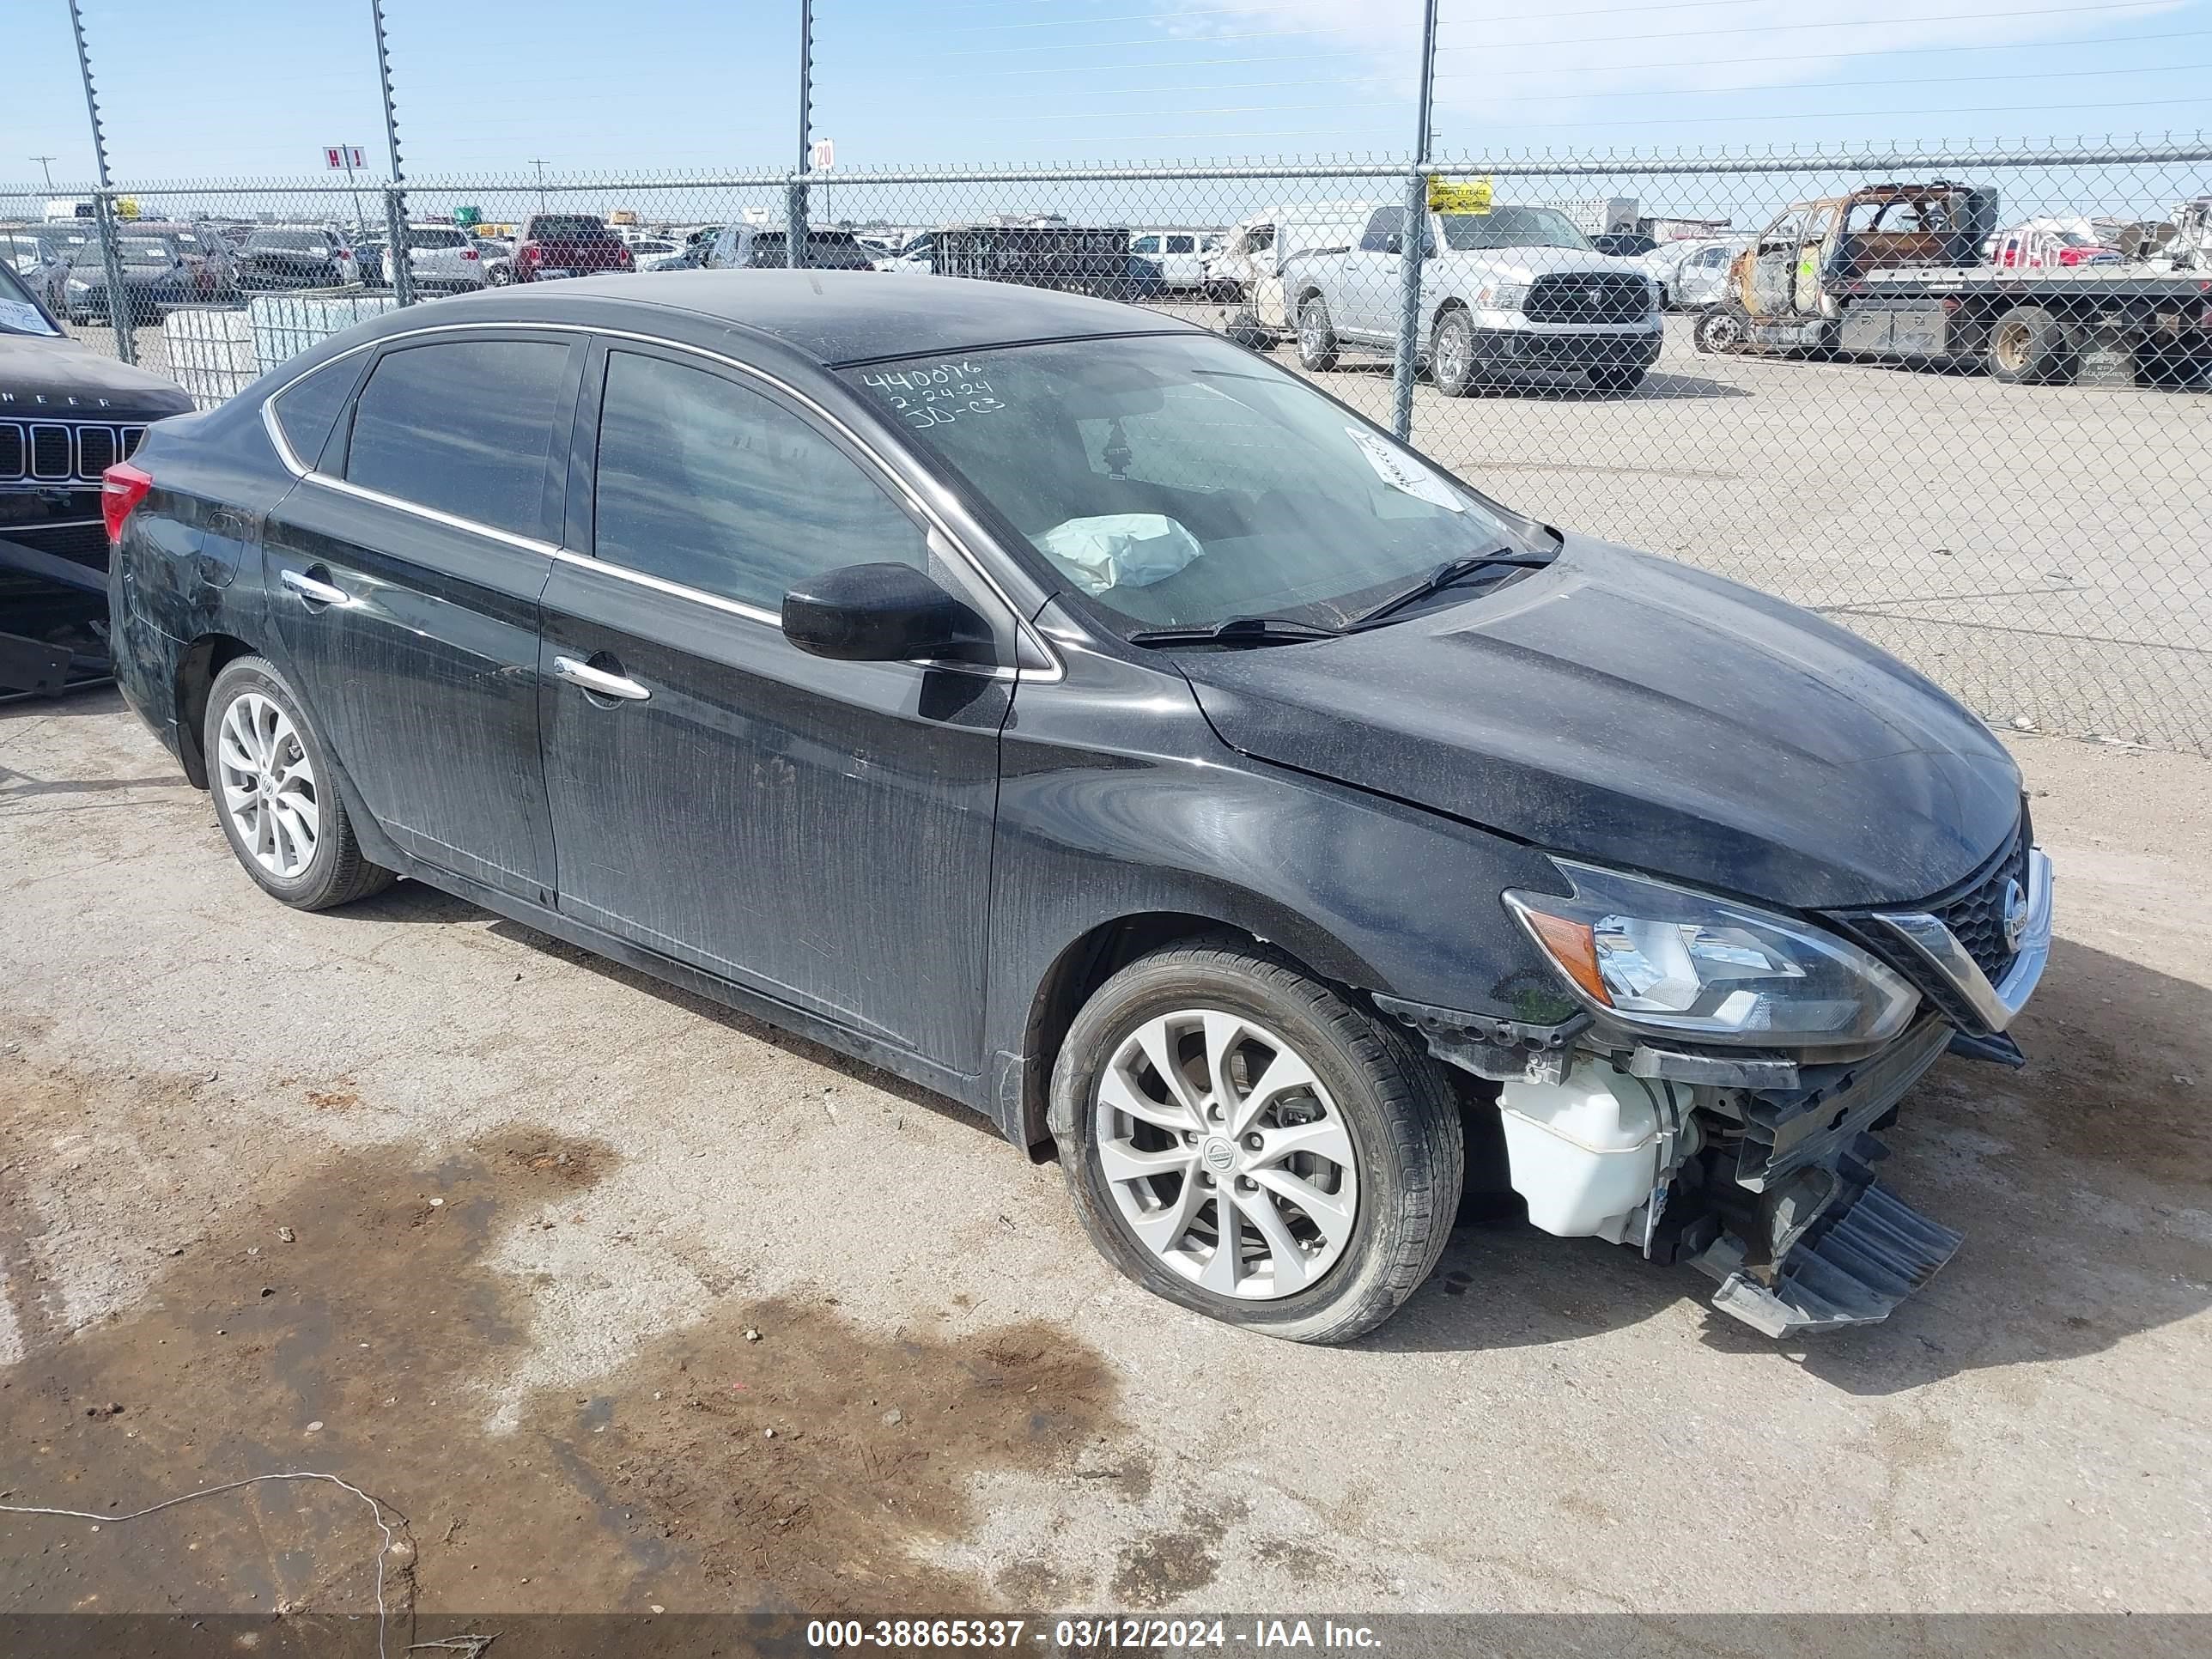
[(1758, 1169)]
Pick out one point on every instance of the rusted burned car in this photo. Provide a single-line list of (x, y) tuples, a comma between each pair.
[(1896, 271)]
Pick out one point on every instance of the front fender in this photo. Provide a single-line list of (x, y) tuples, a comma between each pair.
[(1117, 801)]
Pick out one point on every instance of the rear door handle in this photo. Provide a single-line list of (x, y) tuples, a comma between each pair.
[(313, 591), (599, 681)]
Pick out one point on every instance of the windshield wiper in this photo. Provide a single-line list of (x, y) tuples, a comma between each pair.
[(1449, 574), (1238, 630)]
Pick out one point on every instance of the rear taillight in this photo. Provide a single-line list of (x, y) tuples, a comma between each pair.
[(528, 254), (122, 487), (469, 253), (344, 254)]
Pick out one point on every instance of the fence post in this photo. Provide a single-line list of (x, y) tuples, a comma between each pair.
[(1407, 358), (1415, 244), (794, 212), (395, 249), (103, 207)]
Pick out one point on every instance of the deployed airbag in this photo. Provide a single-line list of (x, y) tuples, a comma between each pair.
[(1120, 549)]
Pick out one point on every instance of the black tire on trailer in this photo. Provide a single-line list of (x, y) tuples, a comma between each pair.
[(1724, 327), (2028, 346), (1333, 1142)]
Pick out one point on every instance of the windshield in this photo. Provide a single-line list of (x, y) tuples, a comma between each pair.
[(1180, 482), (1512, 226), (18, 314), (290, 241)]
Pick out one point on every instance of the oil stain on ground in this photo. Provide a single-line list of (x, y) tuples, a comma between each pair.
[(773, 1457)]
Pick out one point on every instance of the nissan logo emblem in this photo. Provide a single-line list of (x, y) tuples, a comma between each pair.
[(2016, 914)]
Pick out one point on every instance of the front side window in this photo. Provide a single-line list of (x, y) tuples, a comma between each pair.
[(1145, 245), (465, 426), (1385, 223), (709, 484), (1180, 484), (1181, 245)]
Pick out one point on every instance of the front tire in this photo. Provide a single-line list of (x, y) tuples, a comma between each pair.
[(1451, 354), (1316, 335), (1215, 1079), (275, 795)]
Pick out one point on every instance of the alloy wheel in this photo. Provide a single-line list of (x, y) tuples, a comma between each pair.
[(268, 785), (1451, 355), (1225, 1155)]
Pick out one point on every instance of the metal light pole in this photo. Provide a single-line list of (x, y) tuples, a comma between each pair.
[(540, 166), (794, 218), (395, 197), (103, 205), (1414, 241)]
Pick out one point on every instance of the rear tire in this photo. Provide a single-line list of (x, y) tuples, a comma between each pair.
[(1355, 1113), (275, 794), (2030, 347), (1316, 335)]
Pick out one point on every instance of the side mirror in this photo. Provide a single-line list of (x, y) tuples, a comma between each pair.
[(1394, 243), (880, 613)]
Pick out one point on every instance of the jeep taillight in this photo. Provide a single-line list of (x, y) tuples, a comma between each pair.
[(122, 487)]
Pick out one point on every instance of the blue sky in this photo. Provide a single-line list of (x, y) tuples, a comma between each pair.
[(238, 89)]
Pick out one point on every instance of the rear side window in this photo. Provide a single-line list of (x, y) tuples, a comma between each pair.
[(307, 408), (464, 426), (706, 484)]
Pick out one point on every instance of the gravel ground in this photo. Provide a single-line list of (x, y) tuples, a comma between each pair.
[(540, 1253)]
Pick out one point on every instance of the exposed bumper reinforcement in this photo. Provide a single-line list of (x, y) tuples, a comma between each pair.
[(1853, 1267)]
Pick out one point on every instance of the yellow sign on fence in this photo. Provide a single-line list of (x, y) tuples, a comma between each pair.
[(1445, 197)]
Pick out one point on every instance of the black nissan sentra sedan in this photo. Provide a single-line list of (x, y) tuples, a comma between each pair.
[(1070, 711)]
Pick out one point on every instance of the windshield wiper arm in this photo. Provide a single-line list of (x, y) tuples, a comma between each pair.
[(1449, 574), (1238, 630)]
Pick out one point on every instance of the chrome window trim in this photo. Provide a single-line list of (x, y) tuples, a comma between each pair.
[(1050, 674), (1995, 1006)]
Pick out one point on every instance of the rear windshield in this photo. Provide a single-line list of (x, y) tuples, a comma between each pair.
[(436, 238), (289, 240), (134, 250), (570, 227), (826, 250)]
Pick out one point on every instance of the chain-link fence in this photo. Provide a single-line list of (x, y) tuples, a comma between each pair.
[(1957, 401)]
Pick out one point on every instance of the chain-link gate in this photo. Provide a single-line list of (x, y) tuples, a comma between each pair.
[(1956, 402)]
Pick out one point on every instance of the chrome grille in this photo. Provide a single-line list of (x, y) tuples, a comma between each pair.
[(1976, 919), (64, 451)]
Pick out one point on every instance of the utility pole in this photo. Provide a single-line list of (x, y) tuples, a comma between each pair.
[(103, 205), (47, 162), (540, 166), (794, 218), (395, 197), (1414, 240)]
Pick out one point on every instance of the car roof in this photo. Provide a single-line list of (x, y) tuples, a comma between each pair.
[(831, 317)]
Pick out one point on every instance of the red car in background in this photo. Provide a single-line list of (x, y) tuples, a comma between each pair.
[(568, 245)]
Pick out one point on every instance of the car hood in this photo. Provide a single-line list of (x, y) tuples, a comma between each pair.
[(61, 378), (1631, 711)]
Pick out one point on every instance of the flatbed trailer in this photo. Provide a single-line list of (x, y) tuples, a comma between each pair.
[(1893, 272)]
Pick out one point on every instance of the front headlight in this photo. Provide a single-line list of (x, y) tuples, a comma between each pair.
[(1503, 296), (1669, 959), (77, 285)]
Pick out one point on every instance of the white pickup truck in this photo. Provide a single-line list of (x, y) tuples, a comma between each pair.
[(1514, 293)]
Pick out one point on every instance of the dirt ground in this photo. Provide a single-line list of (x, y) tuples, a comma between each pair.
[(619, 1302)]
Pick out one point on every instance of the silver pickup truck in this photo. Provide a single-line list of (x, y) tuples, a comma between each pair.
[(1514, 293)]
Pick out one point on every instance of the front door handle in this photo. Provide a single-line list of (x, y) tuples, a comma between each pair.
[(313, 592), (599, 681)]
